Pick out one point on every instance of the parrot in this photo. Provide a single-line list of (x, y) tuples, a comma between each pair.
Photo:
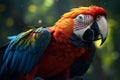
[(63, 51)]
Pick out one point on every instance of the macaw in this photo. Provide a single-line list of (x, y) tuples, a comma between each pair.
[(63, 51)]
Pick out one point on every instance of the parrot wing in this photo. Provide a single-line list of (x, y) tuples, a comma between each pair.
[(25, 49)]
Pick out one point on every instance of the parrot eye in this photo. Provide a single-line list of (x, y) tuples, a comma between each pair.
[(80, 18)]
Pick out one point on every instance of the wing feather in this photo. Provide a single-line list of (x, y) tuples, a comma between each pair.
[(25, 49)]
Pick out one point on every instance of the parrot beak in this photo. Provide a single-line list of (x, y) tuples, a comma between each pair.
[(96, 30), (103, 28)]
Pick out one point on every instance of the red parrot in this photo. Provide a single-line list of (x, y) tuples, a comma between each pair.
[(60, 52)]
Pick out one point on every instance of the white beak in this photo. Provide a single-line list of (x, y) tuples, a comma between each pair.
[(103, 27)]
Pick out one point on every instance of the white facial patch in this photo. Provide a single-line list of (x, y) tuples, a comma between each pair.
[(80, 32), (81, 24)]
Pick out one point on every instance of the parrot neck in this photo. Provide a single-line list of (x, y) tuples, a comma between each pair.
[(62, 37), (76, 41), (63, 29), (59, 35)]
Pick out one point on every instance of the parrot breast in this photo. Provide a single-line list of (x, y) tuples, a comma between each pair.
[(57, 58)]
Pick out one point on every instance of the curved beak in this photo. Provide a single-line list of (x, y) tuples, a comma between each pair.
[(103, 27)]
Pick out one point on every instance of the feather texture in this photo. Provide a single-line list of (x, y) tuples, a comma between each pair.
[(25, 50), (53, 53)]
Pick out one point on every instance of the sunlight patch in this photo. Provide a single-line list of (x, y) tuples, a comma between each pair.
[(32, 8)]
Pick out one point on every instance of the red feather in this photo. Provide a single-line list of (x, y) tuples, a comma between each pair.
[(60, 54), (57, 58)]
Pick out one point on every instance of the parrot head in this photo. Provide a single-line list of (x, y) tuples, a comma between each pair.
[(91, 25), (87, 23)]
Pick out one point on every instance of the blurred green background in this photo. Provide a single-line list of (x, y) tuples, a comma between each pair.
[(16, 15)]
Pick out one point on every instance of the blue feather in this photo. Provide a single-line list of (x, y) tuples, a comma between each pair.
[(12, 37), (22, 54), (14, 61)]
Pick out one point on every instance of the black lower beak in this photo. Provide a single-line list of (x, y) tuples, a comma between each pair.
[(88, 35), (93, 33), (103, 39)]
